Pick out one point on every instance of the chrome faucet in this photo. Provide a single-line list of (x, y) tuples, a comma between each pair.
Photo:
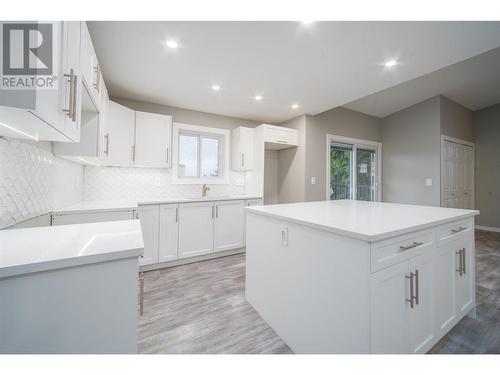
[(204, 190)]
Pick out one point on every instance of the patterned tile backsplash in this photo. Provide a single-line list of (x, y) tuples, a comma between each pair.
[(33, 181), (148, 184)]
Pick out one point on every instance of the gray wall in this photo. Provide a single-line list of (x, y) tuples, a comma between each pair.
[(338, 121), (291, 165), (411, 154), (487, 169), (188, 116), (456, 120)]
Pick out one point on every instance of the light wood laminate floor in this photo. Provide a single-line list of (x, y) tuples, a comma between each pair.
[(201, 308)]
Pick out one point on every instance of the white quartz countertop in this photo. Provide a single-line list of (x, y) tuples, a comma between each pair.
[(39, 249), (92, 206), (368, 221)]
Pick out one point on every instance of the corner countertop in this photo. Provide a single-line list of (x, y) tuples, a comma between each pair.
[(30, 250), (367, 221), (93, 206)]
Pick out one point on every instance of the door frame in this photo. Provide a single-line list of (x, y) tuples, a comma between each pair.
[(446, 138), (355, 142)]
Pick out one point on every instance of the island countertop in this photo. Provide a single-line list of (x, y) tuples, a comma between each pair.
[(39, 249), (367, 221)]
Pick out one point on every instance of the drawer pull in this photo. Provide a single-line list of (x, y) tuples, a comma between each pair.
[(414, 244), (282, 142), (458, 230)]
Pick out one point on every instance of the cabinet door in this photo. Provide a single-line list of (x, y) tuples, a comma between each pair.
[(444, 284), (121, 127), (150, 217), (389, 309), (229, 225), (421, 323), (242, 149), (103, 142), (169, 229), (152, 140), (71, 61), (464, 281), (196, 229)]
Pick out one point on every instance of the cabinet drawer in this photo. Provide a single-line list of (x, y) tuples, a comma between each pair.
[(452, 231), (394, 250)]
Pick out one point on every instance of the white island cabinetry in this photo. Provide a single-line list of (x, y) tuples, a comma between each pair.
[(360, 277)]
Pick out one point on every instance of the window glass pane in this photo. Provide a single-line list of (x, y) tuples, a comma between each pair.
[(209, 157), (365, 177), (188, 155), (340, 171)]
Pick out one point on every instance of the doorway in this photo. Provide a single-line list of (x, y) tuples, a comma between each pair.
[(353, 169)]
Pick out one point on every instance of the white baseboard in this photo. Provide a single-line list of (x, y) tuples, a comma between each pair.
[(489, 229)]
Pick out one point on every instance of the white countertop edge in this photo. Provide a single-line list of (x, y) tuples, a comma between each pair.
[(56, 264), (360, 236), (104, 206)]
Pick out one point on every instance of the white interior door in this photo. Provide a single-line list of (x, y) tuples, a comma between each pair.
[(457, 169)]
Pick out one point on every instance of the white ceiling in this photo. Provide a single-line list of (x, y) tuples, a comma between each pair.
[(319, 66), (474, 83)]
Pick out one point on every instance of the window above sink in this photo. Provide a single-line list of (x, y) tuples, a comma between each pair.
[(200, 155)]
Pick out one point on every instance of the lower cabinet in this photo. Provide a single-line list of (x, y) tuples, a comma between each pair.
[(169, 232), (149, 216), (196, 234), (402, 306), (229, 225), (453, 273)]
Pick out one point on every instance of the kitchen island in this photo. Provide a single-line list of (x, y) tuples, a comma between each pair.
[(70, 289), (360, 277)]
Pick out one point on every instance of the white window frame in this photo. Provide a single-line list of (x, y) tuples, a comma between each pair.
[(223, 134), (355, 144)]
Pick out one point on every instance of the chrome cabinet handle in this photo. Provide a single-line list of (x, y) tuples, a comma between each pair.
[(75, 84), (412, 290), (463, 261), (216, 211), (417, 287), (137, 214), (212, 211), (141, 298), (97, 84), (71, 77), (414, 244), (106, 151), (242, 160), (458, 230), (176, 214), (281, 141), (460, 269)]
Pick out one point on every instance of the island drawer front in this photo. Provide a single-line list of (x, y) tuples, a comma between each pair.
[(398, 249), (452, 231)]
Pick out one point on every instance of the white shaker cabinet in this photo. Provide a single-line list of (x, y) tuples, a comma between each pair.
[(229, 229), (464, 283), (121, 134), (152, 139), (48, 114), (149, 216), (242, 149), (91, 71), (196, 223), (168, 233)]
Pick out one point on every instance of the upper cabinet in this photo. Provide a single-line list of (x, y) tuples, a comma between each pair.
[(137, 139), (91, 70), (278, 137), (42, 99), (152, 140), (242, 149)]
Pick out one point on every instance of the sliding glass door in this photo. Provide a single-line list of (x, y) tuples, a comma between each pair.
[(353, 169)]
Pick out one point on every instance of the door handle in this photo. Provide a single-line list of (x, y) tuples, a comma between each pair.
[(75, 84), (176, 214), (106, 151), (417, 288), (463, 261), (71, 77), (459, 270)]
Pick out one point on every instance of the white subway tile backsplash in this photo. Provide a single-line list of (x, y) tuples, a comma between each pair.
[(33, 181), (136, 184)]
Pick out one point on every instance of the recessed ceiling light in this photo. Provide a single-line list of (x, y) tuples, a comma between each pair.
[(390, 63), (215, 87), (295, 106), (172, 44), (307, 22), (258, 97)]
